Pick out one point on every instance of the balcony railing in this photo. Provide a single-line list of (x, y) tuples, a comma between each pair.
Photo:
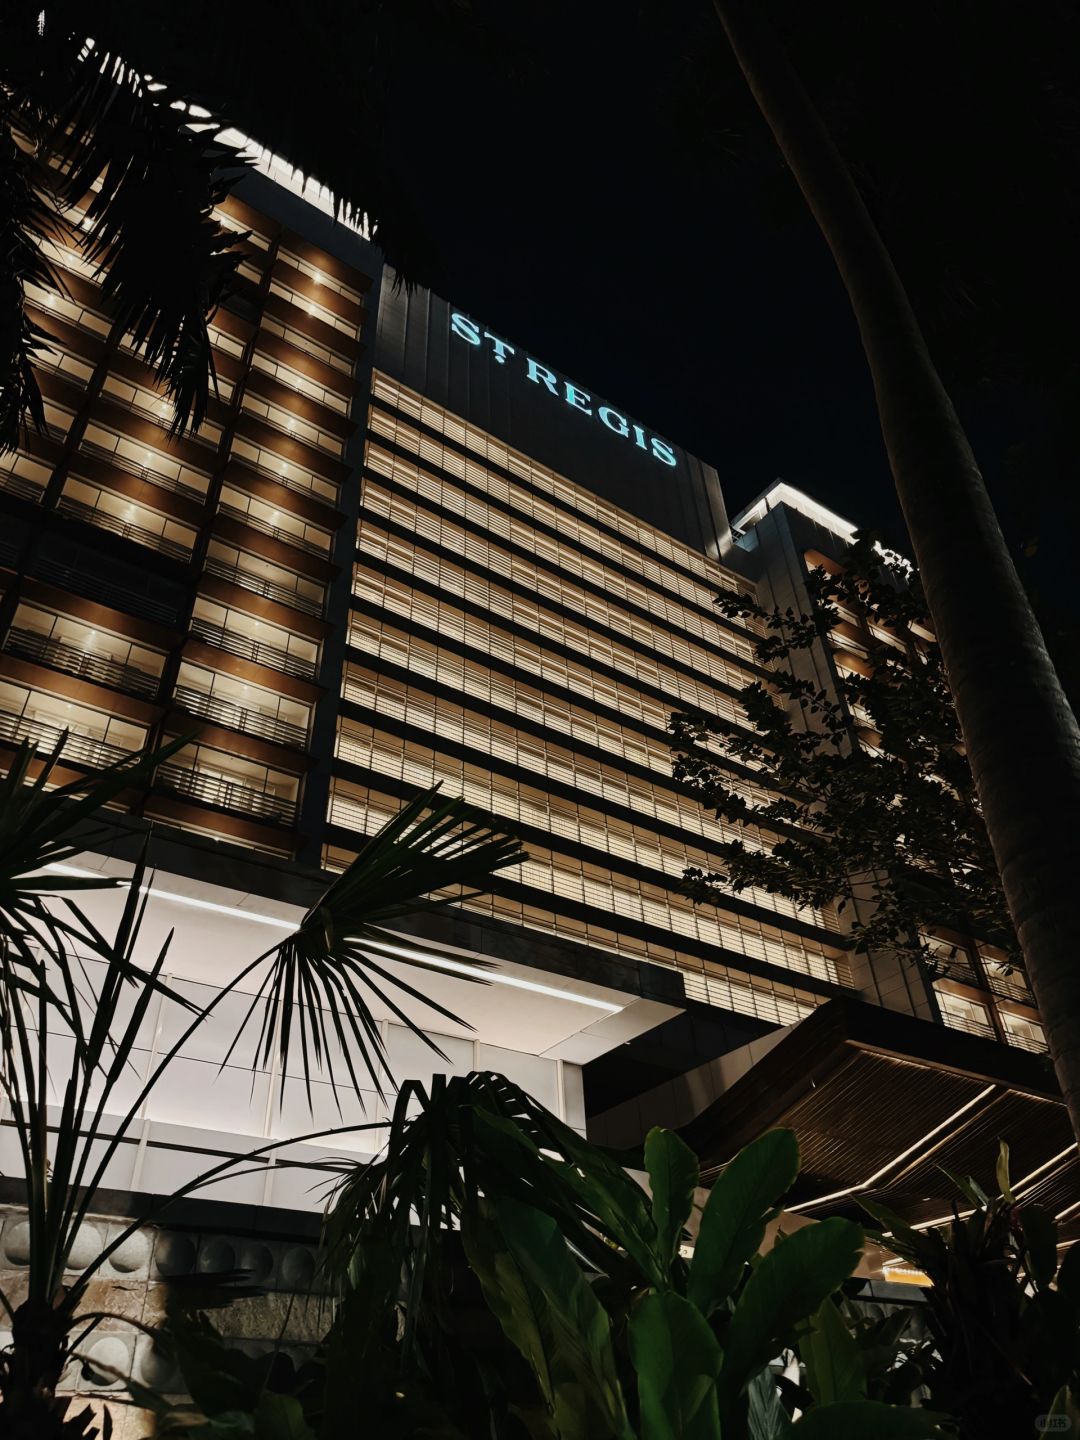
[(1025, 1042), (57, 655), (50, 360), (117, 597), (20, 486), (226, 794), (287, 537), (151, 410), (144, 472), (269, 588), (236, 717), (104, 520), (298, 436), (969, 1026), (91, 754), (81, 750), (272, 656), (1008, 987), (257, 468)]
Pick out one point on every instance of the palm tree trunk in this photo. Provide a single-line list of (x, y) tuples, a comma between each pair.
[(1022, 738)]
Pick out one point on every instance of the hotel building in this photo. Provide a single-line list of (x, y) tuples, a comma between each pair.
[(402, 551)]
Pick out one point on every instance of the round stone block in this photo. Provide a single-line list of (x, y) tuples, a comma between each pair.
[(86, 1247), (216, 1256), (152, 1366), (256, 1259), (297, 1268), (133, 1254), (174, 1254), (16, 1242), (107, 1354)]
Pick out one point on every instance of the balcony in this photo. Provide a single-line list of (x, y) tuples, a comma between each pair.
[(268, 588), (143, 472), (19, 485), (81, 750), (1012, 986), (1025, 1042), (117, 597), (104, 520), (287, 537), (236, 717), (294, 433), (969, 1025), (156, 410), (272, 656), (259, 467), (56, 655), (225, 794)]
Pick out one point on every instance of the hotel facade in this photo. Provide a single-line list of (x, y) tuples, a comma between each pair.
[(402, 551)]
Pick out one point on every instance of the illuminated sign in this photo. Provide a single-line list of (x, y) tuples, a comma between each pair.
[(578, 399)]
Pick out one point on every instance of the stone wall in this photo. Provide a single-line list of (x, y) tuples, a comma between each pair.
[(132, 1287)]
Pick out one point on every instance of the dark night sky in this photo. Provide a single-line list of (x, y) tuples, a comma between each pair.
[(568, 217), (575, 209)]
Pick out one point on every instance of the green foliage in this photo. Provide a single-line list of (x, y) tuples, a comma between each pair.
[(740, 1204), (232, 1394), (835, 1373), (677, 1359), (871, 796), (673, 1177), (502, 1277), (549, 1312), (1003, 1315), (866, 1420), (788, 1284), (164, 262)]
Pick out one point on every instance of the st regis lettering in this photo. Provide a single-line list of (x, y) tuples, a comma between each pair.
[(578, 399)]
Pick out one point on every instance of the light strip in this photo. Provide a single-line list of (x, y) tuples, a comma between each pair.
[(191, 900), (494, 977), (433, 958), (197, 904), (1015, 1188), (897, 1159), (1027, 1179), (785, 494)]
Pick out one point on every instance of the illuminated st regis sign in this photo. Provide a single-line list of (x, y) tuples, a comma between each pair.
[(469, 331)]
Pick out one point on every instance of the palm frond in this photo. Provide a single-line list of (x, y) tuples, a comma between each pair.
[(321, 977), (163, 260), (43, 828), (333, 117), (474, 1136), (67, 1149), (25, 221)]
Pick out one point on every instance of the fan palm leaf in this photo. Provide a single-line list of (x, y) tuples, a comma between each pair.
[(42, 828), (317, 988), (163, 261), (150, 175), (393, 1226), (26, 220), (324, 101)]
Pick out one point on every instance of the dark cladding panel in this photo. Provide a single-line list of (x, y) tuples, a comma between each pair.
[(458, 363)]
